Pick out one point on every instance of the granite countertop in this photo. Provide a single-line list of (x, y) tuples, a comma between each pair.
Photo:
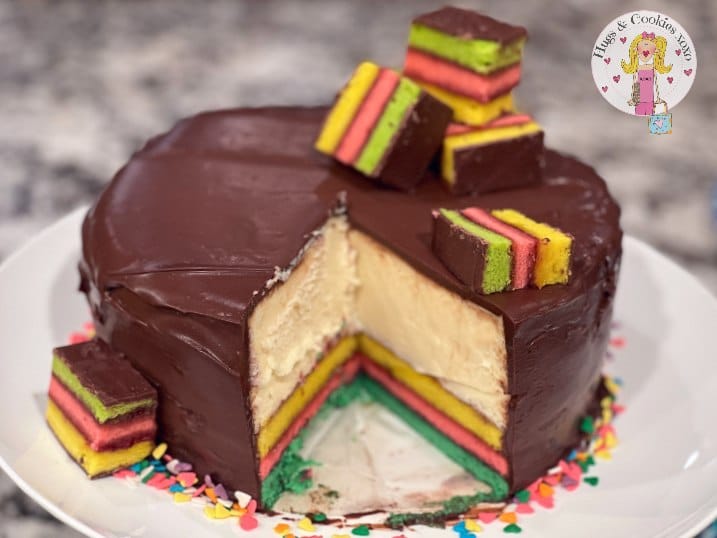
[(84, 83)]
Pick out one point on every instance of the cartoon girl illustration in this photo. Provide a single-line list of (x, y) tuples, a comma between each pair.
[(647, 57)]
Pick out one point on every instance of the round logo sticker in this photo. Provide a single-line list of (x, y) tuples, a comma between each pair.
[(644, 63)]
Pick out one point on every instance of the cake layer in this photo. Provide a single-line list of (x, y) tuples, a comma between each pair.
[(470, 111), (523, 245), (507, 120), (345, 108), (552, 263), (474, 466), (404, 311), (294, 323), (478, 256), (397, 109), (430, 69), (177, 301), (343, 374), (433, 392), (480, 54), (367, 117), (493, 158), (100, 437), (440, 421), (95, 464), (306, 390)]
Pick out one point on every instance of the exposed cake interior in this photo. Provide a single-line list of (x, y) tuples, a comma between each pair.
[(351, 307)]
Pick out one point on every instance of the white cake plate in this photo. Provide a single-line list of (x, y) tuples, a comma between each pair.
[(661, 482)]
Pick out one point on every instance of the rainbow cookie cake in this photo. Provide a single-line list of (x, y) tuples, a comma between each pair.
[(249, 278)]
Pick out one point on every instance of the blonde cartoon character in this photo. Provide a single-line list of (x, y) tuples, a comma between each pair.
[(647, 57)]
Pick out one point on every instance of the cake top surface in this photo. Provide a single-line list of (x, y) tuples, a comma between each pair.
[(469, 25), (105, 373), (201, 217)]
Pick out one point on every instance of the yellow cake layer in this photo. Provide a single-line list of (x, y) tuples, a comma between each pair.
[(424, 385), (94, 463), (344, 110), (469, 111), (304, 393), (431, 390), (552, 263), (454, 143)]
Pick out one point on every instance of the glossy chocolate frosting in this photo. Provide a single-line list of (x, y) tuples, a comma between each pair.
[(106, 373), (467, 24), (178, 248)]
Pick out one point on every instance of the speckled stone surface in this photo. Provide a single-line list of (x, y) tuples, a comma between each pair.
[(84, 83)]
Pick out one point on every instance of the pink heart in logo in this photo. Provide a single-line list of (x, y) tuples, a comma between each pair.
[(623, 39), (670, 79), (607, 60), (688, 72), (616, 78), (678, 52), (604, 89), (658, 123)]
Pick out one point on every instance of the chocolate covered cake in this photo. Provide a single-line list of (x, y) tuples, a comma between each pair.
[(251, 278)]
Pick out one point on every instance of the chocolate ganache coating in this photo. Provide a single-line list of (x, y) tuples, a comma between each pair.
[(179, 246)]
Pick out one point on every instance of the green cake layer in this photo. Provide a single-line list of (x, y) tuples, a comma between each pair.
[(288, 474), (479, 55), (403, 99), (496, 274), (101, 412)]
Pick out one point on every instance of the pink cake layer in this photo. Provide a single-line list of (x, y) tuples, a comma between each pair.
[(426, 68), (438, 420), (367, 116), (101, 437), (448, 427), (508, 120), (524, 246)]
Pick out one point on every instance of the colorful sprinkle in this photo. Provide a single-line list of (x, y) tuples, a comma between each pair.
[(587, 425), (523, 495), (242, 498), (508, 517), (361, 530), (281, 529), (472, 526), (182, 498), (305, 525), (592, 480), (512, 529), (487, 517), (248, 522), (159, 451), (318, 517)]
